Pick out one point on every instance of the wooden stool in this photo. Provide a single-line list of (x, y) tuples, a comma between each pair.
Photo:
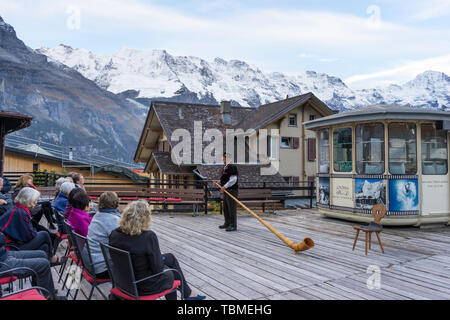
[(378, 212)]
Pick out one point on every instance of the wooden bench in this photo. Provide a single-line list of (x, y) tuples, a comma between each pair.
[(125, 194), (256, 198), (154, 196), (170, 196)]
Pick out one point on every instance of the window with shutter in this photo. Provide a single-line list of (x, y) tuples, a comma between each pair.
[(296, 181), (312, 149), (295, 143)]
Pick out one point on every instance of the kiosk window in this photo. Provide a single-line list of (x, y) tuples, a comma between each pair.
[(370, 148), (324, 151), (434, 150), (402, 148), (342, 150)]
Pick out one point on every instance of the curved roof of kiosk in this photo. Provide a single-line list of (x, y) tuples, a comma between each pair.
[(379, 112)]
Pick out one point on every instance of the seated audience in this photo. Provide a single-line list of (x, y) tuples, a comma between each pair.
[(69, 202), (60, 202), (35, 260), (104, 221), (6, 186), (78, 179), (59, 183), (134, 235), (18, 228), (79, 218), (44, 208), (6, 202)]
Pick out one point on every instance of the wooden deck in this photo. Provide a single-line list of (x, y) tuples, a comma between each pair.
[(253, 263)]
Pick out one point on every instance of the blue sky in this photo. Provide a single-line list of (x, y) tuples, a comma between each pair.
[(366, 43)]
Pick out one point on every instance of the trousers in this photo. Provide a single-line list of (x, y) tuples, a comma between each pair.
[(35, 260), (229, 208), (171, 262)]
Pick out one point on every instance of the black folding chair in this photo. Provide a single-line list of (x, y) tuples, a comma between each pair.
[(121, 272), (33, 293), (14, 274), (71, 255), (83, 253)]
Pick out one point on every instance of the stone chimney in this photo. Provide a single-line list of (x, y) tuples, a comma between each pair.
[(225, 112)]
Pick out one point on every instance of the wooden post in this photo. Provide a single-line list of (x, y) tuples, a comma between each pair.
[(205, 188)]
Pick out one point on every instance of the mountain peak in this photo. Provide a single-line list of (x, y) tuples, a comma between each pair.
[(6, 27), (433, 75)]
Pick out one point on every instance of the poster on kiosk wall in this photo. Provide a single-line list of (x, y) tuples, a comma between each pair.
[(403, 195), (342, 195)]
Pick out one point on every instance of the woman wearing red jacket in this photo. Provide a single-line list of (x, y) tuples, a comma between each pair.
[(17, 225), (43, 208)]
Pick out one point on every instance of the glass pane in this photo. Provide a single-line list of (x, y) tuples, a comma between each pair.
[(370, 148), (402, 148), (324, 151), (434, 150), (342, 150)]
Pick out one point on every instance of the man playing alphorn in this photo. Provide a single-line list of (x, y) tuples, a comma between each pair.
[(229, 181)]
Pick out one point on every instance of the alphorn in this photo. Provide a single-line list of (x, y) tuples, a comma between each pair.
[(305, 245)]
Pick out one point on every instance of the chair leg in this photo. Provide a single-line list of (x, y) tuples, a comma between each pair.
[(367, 240), (379, 241), (67, 275), (356, 239), (92, 291), (370, 240)]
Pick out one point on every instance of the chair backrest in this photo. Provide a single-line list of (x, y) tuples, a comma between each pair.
[(120, 269), (83, 253), (60, 221), (378, 212), (69, 232)]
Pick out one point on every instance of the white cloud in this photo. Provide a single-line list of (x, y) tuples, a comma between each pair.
[(432, 9), (400, 74)]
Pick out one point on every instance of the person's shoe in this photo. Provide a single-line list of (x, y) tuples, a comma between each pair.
[(197, 297), (231, 229), (223, 226), (59, 261)]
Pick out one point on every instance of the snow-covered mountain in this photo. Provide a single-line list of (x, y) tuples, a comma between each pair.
[(155, 74), (67, 108)]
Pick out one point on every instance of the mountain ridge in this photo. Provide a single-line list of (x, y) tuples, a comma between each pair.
[(147, 71)]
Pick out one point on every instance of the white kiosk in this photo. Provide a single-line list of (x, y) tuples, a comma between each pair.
[(397, 156)]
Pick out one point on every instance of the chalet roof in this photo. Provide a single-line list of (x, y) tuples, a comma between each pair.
[(170, 116), (166, 166), (13, 121), (35, 148), (379, 112), (265, 114)]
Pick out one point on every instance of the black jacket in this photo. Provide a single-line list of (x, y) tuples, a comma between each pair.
[(146, 259), (3, 251), (6, 186), (9, 203), (228, 171)]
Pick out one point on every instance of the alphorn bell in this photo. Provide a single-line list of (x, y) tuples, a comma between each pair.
[(305, 245)]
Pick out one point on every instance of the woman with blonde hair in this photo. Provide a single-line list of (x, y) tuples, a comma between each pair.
[(134, 235)]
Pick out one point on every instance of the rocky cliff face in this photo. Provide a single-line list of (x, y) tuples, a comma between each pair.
[(67, 108), (157, 74)]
